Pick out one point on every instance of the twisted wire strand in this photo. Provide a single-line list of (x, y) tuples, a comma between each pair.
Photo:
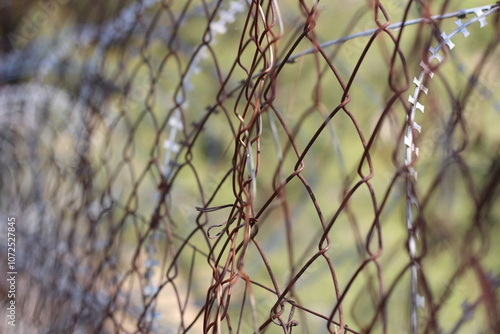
[(215, 167)]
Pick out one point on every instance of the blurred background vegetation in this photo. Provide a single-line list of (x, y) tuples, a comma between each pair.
[(88, 92)]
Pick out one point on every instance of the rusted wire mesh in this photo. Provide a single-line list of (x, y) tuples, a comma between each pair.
[(242, 166)]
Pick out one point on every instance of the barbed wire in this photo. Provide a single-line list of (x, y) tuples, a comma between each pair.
[(217, 167)]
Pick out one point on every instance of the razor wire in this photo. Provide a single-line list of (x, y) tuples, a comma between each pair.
[(251, 166)]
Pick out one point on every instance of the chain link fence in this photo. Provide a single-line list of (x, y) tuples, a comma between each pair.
[(242, 166)]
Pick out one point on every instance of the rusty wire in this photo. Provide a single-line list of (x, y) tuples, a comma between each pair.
[(251, 166)]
